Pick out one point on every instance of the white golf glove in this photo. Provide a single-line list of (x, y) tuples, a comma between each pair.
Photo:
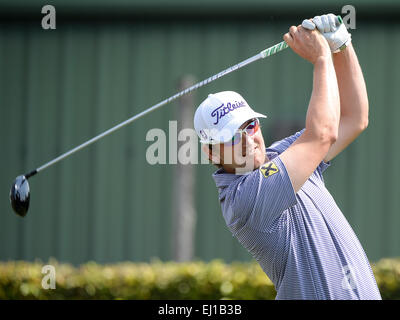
[(332, 29)]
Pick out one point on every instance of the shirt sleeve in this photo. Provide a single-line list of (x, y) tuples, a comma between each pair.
[(263, 195), (321, 169)]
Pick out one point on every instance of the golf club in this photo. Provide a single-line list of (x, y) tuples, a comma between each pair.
[(20, 192)]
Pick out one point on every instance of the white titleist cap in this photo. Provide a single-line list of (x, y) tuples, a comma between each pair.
[(220, 115)]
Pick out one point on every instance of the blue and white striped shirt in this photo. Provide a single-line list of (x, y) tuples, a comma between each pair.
[(302, 241)]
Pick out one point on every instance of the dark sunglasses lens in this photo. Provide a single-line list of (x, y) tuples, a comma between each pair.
[(252, 127)]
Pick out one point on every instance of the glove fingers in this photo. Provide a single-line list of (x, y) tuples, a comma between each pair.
[(333, 30), (307, 24), (318, 23), (325, 23), (332, 21)]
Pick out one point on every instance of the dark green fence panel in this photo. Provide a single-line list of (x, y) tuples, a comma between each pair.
[(106, 203)]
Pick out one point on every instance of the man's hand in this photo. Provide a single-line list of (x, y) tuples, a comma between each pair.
[(309, 45), (334, 32)]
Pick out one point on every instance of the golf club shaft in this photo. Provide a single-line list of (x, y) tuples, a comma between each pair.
[(263, 54)]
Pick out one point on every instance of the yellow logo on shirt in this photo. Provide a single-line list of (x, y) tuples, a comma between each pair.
[(269, 169)]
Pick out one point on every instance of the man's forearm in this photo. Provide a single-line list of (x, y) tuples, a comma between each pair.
[(352, 90), (323, 111)]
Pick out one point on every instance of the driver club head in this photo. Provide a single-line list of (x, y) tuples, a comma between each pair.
[(20, 195)]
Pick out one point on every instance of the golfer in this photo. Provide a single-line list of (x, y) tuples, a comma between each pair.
[(274, 199)]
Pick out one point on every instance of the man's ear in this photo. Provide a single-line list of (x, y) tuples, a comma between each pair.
[(212, 155)]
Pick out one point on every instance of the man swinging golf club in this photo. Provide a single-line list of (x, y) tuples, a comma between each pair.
[(274, 200)]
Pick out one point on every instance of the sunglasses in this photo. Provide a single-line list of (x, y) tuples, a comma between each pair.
[(250, 130)]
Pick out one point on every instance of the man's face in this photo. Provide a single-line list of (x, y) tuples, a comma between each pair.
[(247, 154)]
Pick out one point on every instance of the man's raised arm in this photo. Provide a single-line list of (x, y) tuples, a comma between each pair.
[(353, 100), (322, 121), (352, 90)]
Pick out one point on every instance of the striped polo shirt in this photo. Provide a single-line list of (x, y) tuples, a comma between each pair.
[(301, 240)]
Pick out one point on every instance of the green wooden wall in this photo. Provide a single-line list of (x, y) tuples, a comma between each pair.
[(59, 88)]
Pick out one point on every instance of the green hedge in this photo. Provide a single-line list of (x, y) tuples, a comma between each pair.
[(158, 280)]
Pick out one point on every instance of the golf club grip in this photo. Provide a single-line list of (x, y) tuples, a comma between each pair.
[(274, 49), (265, 53)]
